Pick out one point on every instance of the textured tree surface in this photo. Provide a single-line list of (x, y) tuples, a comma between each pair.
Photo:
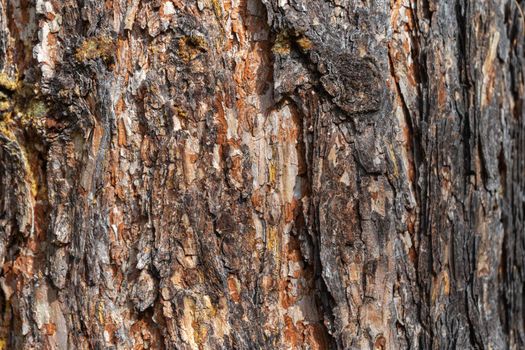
[(262, 174)]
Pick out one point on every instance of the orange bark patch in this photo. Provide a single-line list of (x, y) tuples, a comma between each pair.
[(110, 329), (316, 337), (292, 335), (286, 298), (50, 328), (258, 200), (380, 343), (24, 265), (289, 209), (442, 93), (234, 288), (146, 335), (122, 139)]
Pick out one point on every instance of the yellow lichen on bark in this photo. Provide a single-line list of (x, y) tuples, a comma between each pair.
[(97, 47), (191, 46)]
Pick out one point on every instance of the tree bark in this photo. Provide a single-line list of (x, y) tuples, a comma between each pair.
[(262, 174)]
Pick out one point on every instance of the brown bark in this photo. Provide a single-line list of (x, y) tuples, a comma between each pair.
[(262, 174)]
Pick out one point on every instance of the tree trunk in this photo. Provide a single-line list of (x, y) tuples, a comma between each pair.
[(284, 174)]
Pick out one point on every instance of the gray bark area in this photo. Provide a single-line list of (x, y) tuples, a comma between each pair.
[(284, 174)]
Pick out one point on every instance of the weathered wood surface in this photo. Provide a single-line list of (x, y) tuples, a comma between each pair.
[(284, 174)]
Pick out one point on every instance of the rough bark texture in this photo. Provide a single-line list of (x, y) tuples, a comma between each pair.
[(284, 174)]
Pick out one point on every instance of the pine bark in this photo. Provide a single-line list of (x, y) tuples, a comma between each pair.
[(262, 174)]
